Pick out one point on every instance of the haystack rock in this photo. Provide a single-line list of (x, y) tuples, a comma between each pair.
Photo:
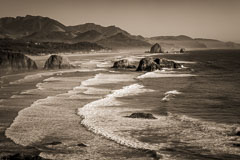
[(16, 62), (156, 48), (148, 64), (124, 63), (164, 63), (57, 62)]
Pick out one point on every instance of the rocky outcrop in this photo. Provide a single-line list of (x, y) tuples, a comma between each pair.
[(57, 62), (124, 63), (164, 63), (148, 64), (142, 115), (16, 62), (156, 48), (237, 131), (182, 50)]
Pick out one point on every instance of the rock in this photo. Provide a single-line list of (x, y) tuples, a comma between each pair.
[(237, 131), (153, 154), (81, 145), (16, 62), (156, 48), (21, 156), (182, 50), (236, 144), (54, 143), (57, 62), (142, 115), (124, 63), (148, 64), (164, 63)]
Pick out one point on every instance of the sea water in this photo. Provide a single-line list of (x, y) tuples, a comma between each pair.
[(196, 108)]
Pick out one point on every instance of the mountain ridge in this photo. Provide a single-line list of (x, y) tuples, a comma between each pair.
[(45, 29)]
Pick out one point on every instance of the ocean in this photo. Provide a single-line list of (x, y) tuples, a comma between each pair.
[(83, 113)]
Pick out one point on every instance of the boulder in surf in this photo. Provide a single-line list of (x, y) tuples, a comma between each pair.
[(124, 63), (142, 115), (148, 64), (57, 62), (164, 63)]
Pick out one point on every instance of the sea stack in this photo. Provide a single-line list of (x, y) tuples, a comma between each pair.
[(16, 62), (57, 62), (156, 48)]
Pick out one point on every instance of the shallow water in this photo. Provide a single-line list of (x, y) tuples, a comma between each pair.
[(197, 109)]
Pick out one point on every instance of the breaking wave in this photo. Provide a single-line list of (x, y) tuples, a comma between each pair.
[(163, 74)]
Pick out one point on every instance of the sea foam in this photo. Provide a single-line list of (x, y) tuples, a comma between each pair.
[(105, 121), (170, 94), (163, 74)]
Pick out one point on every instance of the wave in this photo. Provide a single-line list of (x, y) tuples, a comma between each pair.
[(170, 94), (105, 64), (30, 78), (104, 78), (163, 74), (101, 120)]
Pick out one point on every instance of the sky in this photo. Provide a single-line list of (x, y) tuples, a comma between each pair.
[(216, 19)]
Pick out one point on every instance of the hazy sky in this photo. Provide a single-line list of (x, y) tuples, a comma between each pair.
[(219, 19)]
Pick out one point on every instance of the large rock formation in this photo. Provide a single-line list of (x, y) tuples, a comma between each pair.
[(16, 62), (148, 64), (164, 63), (124, 63), (156, 48), (57, 62)]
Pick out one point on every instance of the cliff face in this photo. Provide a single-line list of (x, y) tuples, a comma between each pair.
[(16, 62)]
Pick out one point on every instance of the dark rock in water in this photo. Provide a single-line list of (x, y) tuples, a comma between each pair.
[(156, 48), (148, 64), (164, 63), (236, 144), (81, 145), (182, 50), (124, 63), (153, 154), (57, 62), (142, 115), (21, 156), (16, 62), (54, 143), (237, 131)]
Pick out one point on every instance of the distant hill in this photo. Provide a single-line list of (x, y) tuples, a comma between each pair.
[(176, 42), (212, 43), (24, 26), (44, 29), (121, 40), (89, 36)]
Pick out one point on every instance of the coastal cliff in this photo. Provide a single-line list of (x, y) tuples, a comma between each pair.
[(15, 62)]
